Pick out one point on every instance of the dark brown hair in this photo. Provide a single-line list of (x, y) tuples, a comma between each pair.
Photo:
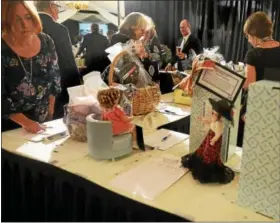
[(259, 25), (107, 98), (8, 14)]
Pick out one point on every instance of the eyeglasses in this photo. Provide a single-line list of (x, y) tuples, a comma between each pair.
[(59, 7)]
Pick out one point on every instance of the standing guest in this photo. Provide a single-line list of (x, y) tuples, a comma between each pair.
[(112, 29), (70, 76), (30, 77), (186, 46), (133, 28), (110, 33), (266, 51), (262, 62), (95, 45)]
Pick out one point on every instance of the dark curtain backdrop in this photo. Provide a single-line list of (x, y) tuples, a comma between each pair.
[(214, 22)]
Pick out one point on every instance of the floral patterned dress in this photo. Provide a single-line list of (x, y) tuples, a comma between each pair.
[(27, 83)]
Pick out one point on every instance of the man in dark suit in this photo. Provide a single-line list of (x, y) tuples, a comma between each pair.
[(186, 48), (95, 45), (70, 76)]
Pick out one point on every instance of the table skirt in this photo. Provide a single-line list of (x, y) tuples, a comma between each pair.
[(37, 191)]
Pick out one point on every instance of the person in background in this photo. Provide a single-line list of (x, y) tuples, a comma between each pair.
[(262, 62), (186, 46), (30, 76), (110, 33), (70, 76), (133, 28), (112, 29), (95, 45)]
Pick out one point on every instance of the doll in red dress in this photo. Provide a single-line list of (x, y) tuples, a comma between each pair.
[(109, 99), (205, 163)]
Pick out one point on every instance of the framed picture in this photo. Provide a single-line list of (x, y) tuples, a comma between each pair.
[(221, 81)]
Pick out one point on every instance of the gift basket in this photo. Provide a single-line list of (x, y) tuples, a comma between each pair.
[(125, 69), (82, 102), (75, 119)]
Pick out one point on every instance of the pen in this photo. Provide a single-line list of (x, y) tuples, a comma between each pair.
[(61, 134), (165, 137), (170, 112)]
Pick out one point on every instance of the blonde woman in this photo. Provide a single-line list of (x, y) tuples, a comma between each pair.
[(133, 28)]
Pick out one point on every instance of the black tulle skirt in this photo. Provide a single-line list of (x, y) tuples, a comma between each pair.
[(207, 173), (205, 163)]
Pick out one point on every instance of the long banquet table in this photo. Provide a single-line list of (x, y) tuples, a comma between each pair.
[(72, 186)]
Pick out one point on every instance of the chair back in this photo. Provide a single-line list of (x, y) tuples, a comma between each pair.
[(99, 133)]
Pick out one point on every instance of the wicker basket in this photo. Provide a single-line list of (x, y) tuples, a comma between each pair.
[(145, 99)]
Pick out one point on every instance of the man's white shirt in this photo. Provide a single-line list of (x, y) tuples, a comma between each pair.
[(184, 40)]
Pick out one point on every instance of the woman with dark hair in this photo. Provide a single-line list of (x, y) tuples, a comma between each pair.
[(30, 77)]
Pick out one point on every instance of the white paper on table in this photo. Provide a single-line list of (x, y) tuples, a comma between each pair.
[(39, 150), (173, 110), (173, 138), (53, 128), (150, 178)]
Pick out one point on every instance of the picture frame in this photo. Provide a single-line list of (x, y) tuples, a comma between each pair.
[(222, 82)]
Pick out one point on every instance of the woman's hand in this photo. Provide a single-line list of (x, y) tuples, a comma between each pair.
[(26, 123), (33, 127), (181, 55)]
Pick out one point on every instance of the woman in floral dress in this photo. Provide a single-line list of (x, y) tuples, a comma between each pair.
[(30, 77)]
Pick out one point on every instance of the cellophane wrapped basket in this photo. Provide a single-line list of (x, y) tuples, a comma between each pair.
[(75, 119), (127, 69)]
